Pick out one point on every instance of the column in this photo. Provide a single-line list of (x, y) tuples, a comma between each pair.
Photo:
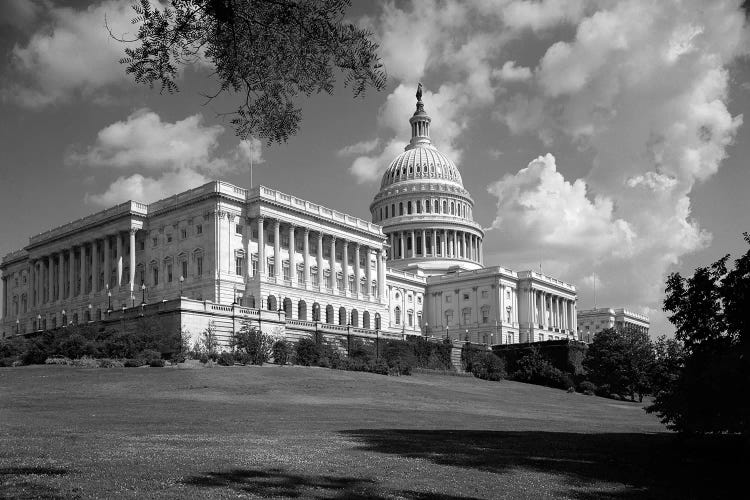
[(306, 254), (434, 242), (481, 252), (50, 279), (60, 276), (118, 246), (277, 261), (381, 274), (132, 260), (368, 269), (424, 242), (356, 270), (393, 246), (72, 272), (444, 244), (261, 249), (575, 318), (332, 263), (402, 254), (32, 282), (5, 297), (320, 260), (292, 248), (94, 267), (413, 244), (84, 288), (345, 264), (107, 262)]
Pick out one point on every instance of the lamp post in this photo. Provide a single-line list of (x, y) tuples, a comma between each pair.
[(123, 319), (64, 319), (234, 296), (446, 333), (39, 322), (91, 318), (143, 293), (18, 326), (109, 300), (182, 280), (426, 328)]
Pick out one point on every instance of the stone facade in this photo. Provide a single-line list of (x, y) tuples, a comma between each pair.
[(220, 254)]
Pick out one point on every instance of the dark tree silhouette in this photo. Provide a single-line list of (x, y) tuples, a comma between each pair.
[(267, 52)]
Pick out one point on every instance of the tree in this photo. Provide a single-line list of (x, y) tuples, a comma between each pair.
[(621, 360), (266, 51), (252, 345), (669, 360), (711, 313)]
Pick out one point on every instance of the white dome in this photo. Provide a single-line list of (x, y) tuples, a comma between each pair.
[(422, 162)]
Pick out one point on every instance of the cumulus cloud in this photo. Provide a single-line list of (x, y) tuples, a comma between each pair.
[(362, 147), (71, 54), (644, 87), (512, 73), (181, 155)]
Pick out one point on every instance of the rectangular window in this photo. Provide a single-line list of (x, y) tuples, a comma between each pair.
[(484, 294), (448, 298), (155, 275), (238, 265), (285, 240), (184, 269), (300, 244), (254, 263), (183, 233), (154, 241), (255, 234), (169, 273), (373, 289), (142, 245), (286, 270), (326, 251), (198, 229), (238, 229), (363, 287), (199, 265), (271, 267), (340, 282), (169, 238), (466, 296), (314, 277), (467, 316), (329, 282), (410, 317), (351, 283), (485, 315), (300, 275)]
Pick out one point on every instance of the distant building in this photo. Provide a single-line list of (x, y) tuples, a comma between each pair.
[(591, 321)]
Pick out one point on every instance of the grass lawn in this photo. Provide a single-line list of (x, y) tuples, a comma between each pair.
[(312, 432)]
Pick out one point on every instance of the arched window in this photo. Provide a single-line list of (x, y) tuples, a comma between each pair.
[(154, 273), (366, 319), (445, 206), (397, 315), (302, 310), (393, 209), (408, 207), (453, 209), (342, 316), (329, 314), (316, 311), (288, 308), (354, 318), (386, 211), (271, 303), (419, 206), (401, 208), (427, 206)]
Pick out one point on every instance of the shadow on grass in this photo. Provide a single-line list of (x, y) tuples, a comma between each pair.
[(645, 464), (14, 482), (25, 471), (278, 483)]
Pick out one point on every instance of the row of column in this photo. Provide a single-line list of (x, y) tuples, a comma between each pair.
[(320, 240), (82, 278), (554, 311), (444, 242)]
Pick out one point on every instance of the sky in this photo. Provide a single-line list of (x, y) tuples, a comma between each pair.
[(602, 141)]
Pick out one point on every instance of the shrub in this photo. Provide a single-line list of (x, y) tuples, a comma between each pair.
[(58, 360), (226, 359), (156, 363), (74, 346), (587, 387), (400, 358), (256, 344), (533, 368), (487, 366), (110, 363), (35, 354), (134, 362), (150, 355), (203, 358), (86, 362), (281, 350), (307, 352)]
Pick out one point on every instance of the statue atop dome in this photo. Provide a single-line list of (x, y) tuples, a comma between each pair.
[(419, 91)]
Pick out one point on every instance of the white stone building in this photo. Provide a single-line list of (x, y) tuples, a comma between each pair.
[(592, 321), (220, 253)]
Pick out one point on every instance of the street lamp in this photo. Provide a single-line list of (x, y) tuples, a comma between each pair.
[(123, 319), (39, 322), (64, 319), (143, 293), (426, 328), (466, 338), (446, 333), (348, 338), (91, 318), (182, 280), (18, 326), (109, 300)]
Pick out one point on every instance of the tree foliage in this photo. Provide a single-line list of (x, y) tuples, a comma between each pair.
[(621, 361), (267, 52), (711, 313)]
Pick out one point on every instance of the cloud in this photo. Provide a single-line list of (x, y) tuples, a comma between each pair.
[(182, 154), (644, 87), (536, 15), (362, 147), (71, 54), (512, 73), (147, 189)]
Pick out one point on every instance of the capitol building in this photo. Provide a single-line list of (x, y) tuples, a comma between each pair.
[(219, 255)]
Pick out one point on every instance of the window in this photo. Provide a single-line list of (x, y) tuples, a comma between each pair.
[(169, 273), (285, 240), (238, 229), (184, 269), (155, 275), (397, 315), (329, 279), (448, 298), (169, 237), (351, 283), (510, 338), (466, 296), (340, 281), (270, 266), (154, 241), (485, 315), (419, 300), (254, 233), (326, 250), (485, 293), (199, 229), (142, 245), (466, 312), (314, 276), (448, 317), (299, 243), (254, 263), (363, 286), (238, 265), (286, 270), (183, 233), (199, 265), (410, 317), (300, 274), (374, 288)]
